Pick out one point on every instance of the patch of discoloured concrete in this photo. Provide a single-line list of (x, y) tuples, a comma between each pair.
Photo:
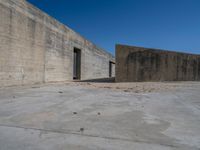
[(44, 118)]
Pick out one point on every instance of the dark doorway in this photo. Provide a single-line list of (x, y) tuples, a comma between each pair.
[(77, 64), (111, 65)]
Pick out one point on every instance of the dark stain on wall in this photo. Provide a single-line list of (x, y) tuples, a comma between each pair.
[(141, 64)]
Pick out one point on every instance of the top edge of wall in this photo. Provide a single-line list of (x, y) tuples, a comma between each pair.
[(68, 28), (24, 3), (120, 46)]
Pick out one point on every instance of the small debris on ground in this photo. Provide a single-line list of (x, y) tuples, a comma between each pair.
[(75, 113), (99, 113), (35, 87), (126, 91), (81, 129), (106, 87), (60, 92)]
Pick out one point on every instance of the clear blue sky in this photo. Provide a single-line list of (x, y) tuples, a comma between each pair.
[(165, 24)]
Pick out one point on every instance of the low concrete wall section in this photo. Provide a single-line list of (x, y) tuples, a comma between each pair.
[(142, 64)]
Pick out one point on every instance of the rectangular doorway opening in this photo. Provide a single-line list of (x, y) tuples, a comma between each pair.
[(77, 64), (111, 68)]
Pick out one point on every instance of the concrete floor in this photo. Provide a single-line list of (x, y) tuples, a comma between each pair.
[(80, 117)]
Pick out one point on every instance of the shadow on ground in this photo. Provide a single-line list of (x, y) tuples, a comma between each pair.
[(100, 80)]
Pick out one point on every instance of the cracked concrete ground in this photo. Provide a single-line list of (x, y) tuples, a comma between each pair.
[(101, 116)]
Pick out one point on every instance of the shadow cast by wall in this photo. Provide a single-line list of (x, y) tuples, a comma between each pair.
[(99, 80)]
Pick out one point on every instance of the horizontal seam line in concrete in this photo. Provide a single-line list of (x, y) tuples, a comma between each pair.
[(87, 135)]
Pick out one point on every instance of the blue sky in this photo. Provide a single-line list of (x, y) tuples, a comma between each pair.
[(164, 24)]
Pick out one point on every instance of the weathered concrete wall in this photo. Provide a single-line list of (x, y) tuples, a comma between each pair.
[(113, 69), (141, 64), (35, 48)]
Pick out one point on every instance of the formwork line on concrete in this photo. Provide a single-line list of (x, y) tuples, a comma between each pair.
[(89, 135)]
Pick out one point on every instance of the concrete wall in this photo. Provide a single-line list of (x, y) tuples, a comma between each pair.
[(142, 64), (113, 70), (35, 48)]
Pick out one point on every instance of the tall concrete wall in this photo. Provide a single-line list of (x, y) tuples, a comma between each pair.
[(142, 64), (35, 48)]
